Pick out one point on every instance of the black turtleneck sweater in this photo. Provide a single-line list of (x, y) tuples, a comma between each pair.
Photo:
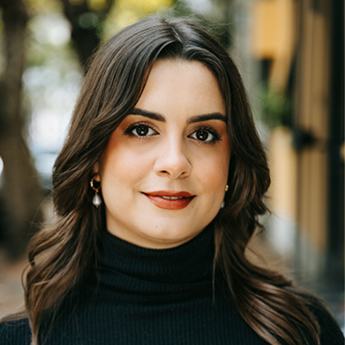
[(155, 297)]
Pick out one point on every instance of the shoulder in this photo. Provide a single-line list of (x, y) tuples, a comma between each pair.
[(15, 332), (330, 332)]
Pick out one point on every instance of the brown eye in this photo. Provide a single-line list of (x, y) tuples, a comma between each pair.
[(202, 135), (142, 130), (207, 135)]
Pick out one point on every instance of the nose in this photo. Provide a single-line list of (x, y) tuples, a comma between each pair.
[(172, 161)]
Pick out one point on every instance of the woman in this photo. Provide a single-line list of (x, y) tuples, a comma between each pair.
[(158, 188)]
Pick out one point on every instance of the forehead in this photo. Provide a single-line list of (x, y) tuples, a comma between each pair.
[(176, 85)]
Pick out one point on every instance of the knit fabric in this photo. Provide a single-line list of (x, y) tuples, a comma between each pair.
[(137, 296)]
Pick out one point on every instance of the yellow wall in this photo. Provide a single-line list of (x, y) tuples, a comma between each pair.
[(274, 35), (299, 179)]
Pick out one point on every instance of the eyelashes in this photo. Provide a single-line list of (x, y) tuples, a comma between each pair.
[(140, 130), (204, 134)]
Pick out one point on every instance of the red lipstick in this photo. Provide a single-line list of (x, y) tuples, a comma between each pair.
[(170, 200)]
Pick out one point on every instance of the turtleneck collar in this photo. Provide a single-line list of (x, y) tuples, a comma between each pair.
[(186, 263)]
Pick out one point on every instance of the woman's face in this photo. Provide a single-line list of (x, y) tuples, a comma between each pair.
[(164, 171)]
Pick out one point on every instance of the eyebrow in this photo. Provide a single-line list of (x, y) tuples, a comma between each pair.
[(149, 114), (193, 119), (207, 117)]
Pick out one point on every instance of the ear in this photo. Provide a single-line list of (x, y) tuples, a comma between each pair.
[(95, 171)]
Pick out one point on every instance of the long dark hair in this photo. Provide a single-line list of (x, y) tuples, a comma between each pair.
[(59, 255)]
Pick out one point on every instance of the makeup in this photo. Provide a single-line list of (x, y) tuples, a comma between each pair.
[(170, 200), (164, 169)]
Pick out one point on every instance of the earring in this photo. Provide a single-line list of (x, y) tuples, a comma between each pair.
[(223, 203), (96, 198)]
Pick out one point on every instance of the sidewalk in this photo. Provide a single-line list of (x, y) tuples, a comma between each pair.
[(11, 290)]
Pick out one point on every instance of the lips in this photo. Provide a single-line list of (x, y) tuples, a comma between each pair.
[(170, 200)]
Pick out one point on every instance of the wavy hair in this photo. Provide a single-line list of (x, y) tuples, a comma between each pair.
[(59, 255)]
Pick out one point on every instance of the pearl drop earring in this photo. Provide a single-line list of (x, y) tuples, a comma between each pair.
[(96, 198), (223, 203)]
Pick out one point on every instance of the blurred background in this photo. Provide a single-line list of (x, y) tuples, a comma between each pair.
[(290, 54)]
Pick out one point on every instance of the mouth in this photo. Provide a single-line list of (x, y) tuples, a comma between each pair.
[(170, 200)]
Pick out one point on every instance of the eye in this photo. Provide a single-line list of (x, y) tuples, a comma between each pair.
[(203, 134), (140, 130), (143, 131)]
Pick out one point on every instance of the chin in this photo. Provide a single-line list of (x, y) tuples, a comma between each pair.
[(170, 236)]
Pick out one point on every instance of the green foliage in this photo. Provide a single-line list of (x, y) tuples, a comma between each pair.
[(35, 7), (276, 106)]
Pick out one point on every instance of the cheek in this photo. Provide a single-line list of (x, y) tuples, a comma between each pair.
[(216, 168), (122, 166), (213, 174)]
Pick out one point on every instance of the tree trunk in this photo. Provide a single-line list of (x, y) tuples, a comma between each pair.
[(86, 26), (20, 188)]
